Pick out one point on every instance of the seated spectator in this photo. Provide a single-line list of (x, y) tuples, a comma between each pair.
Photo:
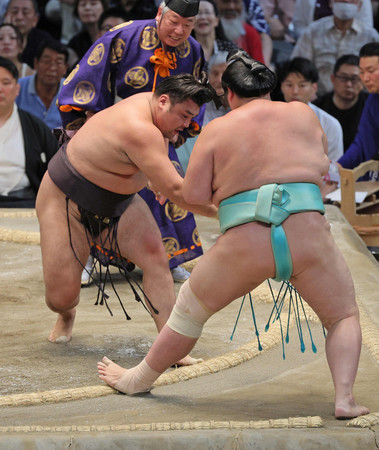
[(11, 48), (238, 30), (347, 100), (24, 15), (39, 92), (278, 14), (256, 18), (366, 142), (307, 11), (298, 82), (208, 30), (61, 11), (88, 12), (26, 143), (325, 40), (110, 18)]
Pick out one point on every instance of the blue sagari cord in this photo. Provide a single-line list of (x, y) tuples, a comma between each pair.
[(295, 303)]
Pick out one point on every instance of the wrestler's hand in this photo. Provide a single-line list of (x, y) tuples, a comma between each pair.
[(160, 198)]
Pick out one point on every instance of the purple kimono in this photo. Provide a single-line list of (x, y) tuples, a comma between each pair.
[(127, 60)]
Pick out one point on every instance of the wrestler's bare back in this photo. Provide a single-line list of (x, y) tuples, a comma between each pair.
[(102, 150), (258, 143)]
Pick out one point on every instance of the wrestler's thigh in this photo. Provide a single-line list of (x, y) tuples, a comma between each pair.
[(240, 260), (60, 267), (322, 276), (138, 232)]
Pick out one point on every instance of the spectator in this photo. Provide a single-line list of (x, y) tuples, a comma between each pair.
[(24, 15), (61, 11), (26, 143), (347, 100), (238, 30), (110, 18), (366, 142), (256, 18), (325, 40), (306, 11), (208, 30), (88, 12), (39, 92), (11, 48), (298, 82), (278, 14)]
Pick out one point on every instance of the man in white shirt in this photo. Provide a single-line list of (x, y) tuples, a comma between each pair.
[(326, 39), (26, 145), (298, 79)]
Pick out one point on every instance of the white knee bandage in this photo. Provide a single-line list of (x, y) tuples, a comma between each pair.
[(189, 313)]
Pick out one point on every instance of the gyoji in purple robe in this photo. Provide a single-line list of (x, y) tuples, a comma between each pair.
[(127, 60)]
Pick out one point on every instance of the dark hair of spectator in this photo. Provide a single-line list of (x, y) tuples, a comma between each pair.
[(7, 64), (33, 2), (351, 60), (52, 44), (370, 49), (113, 12), (301, 66)]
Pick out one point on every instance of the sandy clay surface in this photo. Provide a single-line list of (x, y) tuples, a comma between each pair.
[(221, 403)]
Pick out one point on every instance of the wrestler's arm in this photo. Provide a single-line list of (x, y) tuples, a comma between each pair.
[(149, 154), (197, 184)]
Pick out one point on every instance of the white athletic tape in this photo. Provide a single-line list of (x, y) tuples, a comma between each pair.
[(189, 313)]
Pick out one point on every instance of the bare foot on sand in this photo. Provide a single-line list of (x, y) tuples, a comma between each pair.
[(62, 331), (129, 381), (110, 372), (349, 410)]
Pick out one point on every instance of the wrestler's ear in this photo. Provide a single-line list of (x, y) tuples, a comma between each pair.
[(164, 101)]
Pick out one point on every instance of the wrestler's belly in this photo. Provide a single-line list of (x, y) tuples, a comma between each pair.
[(116, 182)]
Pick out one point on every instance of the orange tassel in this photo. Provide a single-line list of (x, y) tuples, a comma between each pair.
[(164, 61)]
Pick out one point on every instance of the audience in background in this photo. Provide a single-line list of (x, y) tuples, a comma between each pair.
[(26, 144), (366, 142), (24, 15), (255, 17), (298, 82), (208, 30), (307, 11), (39, 92), (238, 30), (328, 38), (110, 18), (347, 99), (11, 48), (88, 12)]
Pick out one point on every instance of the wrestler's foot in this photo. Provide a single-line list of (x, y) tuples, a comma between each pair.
[(350, 410), (188, 361), (129, 381), (62, 331)]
